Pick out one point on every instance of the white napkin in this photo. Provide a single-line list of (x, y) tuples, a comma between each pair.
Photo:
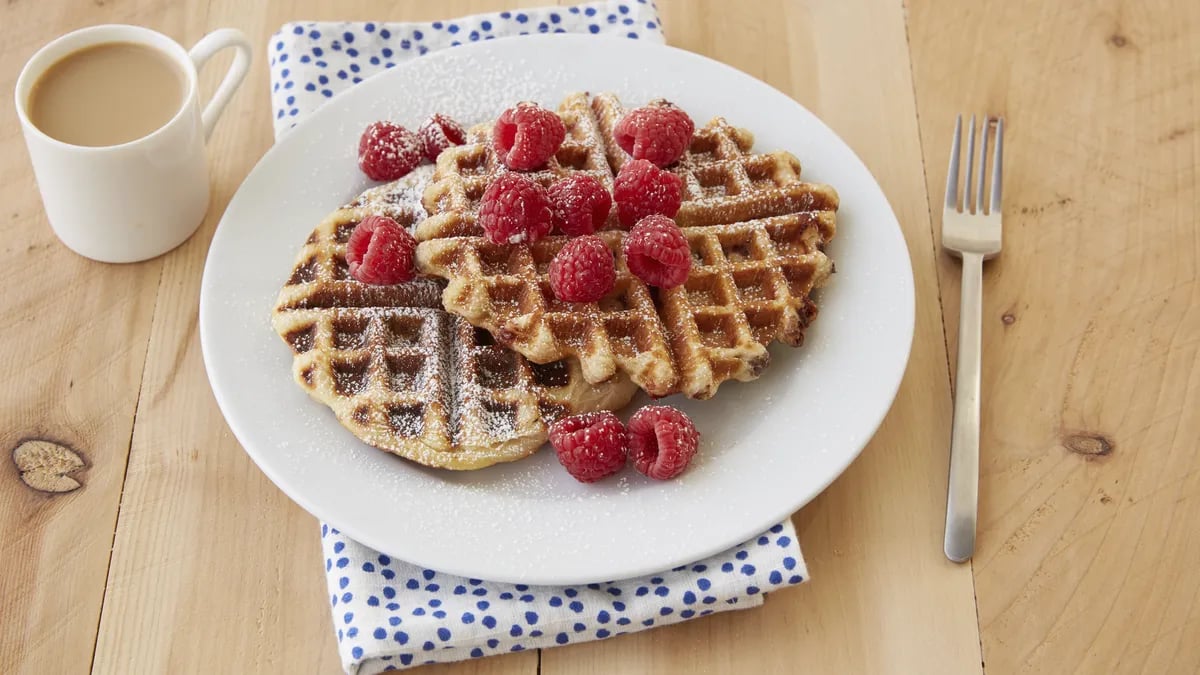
[(310, 62), (389, 614)]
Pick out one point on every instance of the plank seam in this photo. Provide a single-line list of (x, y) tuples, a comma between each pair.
[(125, 475), (933, 239)]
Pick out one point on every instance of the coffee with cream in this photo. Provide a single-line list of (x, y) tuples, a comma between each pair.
[(107, 94)]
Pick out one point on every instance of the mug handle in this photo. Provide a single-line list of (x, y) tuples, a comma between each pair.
[(203, 51)]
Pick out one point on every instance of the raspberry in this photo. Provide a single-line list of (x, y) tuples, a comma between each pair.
[(581, 204), (388, 151), (380, 251), (526, 136), (658, 132), (582, 270), (657, 252), (642, 189), (515, 210), (438, 133), (591, 446), (662, 441)]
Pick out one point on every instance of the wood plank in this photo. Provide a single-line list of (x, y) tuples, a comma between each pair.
[(1090, 498), (211, 563), (883, 599), (72, 347)]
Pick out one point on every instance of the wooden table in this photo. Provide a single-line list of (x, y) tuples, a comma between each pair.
[(176, 554)]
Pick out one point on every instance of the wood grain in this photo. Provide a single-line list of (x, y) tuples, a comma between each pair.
[(72, 347), (1091, 476), (1090, 501)]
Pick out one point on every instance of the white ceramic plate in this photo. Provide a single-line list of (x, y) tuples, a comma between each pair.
[(768, 446)]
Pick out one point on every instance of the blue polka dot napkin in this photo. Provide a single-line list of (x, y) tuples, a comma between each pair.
[(310, 62), (389, 614)]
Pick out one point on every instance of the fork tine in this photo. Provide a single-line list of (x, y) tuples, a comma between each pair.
[(997, 166), (983, 146), (970, 179), (952, 173)]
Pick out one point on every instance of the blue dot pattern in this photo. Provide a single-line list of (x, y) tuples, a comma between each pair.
[(311, 62), (436, 617), (391, 615)]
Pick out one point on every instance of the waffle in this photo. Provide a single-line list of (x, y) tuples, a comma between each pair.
[(408, 377), (757, 233)]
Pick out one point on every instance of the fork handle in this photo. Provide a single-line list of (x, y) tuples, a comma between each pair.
[(962, 498)]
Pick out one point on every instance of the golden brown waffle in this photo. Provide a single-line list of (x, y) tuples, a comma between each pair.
[(406, 376), (756, 231)]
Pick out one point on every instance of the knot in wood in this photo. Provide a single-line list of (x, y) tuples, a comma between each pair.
[(1089, 445), (46, 466)]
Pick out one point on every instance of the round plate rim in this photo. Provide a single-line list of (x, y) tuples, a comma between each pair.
[(352, 530)]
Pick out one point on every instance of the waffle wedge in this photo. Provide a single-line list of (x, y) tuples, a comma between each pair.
[(757, 233), (408, 377)]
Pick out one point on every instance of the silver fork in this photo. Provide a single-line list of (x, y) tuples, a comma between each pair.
[(972, 233)]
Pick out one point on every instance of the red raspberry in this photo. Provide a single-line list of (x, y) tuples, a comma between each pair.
[(515, 210), (657, 252), (659, 133), (438, 133), (582, 270), (526, 136), (642, 189), (662, 441), (581, 204), (591, 446), (388, 151), (380, 251)]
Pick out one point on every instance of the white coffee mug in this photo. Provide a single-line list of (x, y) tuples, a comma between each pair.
[(136, 200)]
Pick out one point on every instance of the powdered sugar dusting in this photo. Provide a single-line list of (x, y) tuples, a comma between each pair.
[(400, 372), (401, 199)]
